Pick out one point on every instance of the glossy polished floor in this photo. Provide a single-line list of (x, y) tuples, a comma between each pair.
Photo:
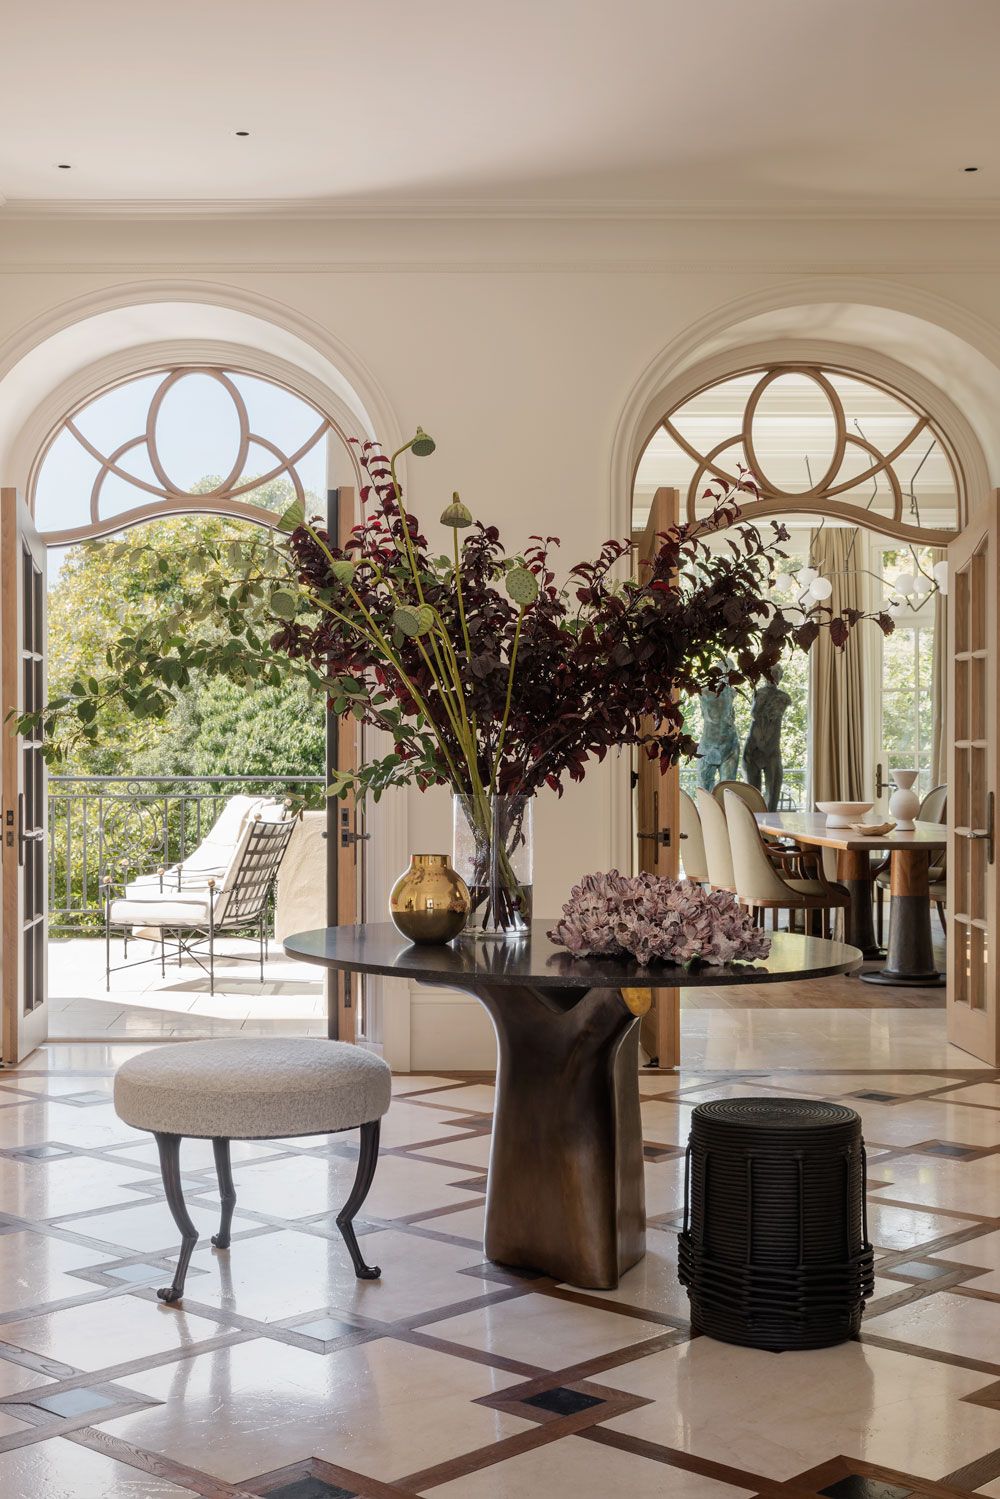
[(282, 1375)]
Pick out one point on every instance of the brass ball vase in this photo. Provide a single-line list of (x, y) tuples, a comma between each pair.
[(430, 902)]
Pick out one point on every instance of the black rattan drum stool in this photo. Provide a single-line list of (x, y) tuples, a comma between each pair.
[(774, 1250)]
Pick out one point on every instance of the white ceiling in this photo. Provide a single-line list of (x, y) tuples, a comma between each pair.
[(554, 104)]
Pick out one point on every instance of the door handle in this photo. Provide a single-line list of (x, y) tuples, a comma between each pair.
[(35, 836), (880, 783), (986, 833)]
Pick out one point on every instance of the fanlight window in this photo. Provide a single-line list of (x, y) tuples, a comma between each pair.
[(818, 440), (177, 440)]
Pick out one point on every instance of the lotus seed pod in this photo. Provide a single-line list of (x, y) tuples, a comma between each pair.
[(522, 586), (412, 620), (422, 445), (456, 515)]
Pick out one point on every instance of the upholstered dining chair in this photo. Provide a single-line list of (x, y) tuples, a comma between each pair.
[(933, 808), (761, 886), (747, 793), (715, 833), (693, 852)]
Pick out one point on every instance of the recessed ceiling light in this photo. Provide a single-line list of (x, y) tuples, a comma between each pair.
[(64, 166), (246, 132), (970, 169)]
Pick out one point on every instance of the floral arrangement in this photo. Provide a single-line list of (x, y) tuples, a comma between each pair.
[(656, 920), (492, 676)]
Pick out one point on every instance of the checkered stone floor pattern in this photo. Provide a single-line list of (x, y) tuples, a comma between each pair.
[(282, 1375)]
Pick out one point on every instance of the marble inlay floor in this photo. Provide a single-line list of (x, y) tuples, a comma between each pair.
[(282, 1375)]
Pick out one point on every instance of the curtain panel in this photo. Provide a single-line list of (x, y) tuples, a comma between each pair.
[(837, 699)]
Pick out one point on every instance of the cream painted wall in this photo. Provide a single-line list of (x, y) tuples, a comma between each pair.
[(520, 344)]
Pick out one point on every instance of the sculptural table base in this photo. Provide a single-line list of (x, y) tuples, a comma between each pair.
[(565, 1191), (854, 870), (910, 952)]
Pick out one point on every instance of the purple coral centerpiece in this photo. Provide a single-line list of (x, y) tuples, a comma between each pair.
[(656, 920)]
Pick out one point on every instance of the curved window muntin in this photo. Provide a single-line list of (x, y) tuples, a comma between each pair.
[(165, 498), (832, 493)]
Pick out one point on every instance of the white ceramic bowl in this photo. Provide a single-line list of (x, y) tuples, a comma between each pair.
[(842, 814)]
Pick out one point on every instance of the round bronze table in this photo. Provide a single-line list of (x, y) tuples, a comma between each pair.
[(565, 1188)]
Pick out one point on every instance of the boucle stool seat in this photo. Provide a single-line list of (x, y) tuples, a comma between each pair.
[(247, 1089)]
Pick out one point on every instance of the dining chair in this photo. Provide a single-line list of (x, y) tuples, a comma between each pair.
[(933, 808), (762, 886), (747, 793), (693, 852), (715, 833)]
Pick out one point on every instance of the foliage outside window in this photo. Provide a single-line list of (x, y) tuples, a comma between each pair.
[(907, 667)]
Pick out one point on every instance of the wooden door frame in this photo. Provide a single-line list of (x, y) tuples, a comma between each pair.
[(13, 514), (656, 810), (975, 1028), (343, 838)]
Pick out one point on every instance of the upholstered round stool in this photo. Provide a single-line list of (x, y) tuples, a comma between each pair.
[(245, 1089)]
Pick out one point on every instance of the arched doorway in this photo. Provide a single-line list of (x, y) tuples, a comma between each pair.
[(283, 425), (901, 468)]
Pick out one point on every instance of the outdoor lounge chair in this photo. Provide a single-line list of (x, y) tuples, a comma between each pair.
[(187, 908), (213, 855)]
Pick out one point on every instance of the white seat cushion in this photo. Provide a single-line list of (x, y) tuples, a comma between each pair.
[(187, 909), (247, 1089)]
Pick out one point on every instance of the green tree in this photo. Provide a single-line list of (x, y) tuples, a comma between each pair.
[(106, 589)]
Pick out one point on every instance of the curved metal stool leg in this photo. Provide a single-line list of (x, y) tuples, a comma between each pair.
[(227, 1192), (169, 1147), (367, 1161)]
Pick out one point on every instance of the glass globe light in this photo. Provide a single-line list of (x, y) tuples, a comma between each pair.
[(806, 576), (923, 586), (905, 583), (940, 571), (821, 589)]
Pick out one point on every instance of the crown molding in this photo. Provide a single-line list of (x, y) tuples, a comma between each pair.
[(623, 210)]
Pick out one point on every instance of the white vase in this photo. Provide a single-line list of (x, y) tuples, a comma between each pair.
[(904, 803)]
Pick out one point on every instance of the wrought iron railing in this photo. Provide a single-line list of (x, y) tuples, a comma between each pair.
[(127, 825)]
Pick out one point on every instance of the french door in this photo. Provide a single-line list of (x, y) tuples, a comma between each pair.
[(657, 823), (22, 777), (973, 709)]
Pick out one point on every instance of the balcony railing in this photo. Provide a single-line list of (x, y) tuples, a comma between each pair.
[(126, 825)]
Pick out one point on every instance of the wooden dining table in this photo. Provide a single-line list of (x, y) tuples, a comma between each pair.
[(910, 952)]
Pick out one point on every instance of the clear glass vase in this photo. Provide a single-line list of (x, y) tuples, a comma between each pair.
[(493, 854)]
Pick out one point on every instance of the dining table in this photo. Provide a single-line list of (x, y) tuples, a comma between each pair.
[(910, 950), (565, 1188)]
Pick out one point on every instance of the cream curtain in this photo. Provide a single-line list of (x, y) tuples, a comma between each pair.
[(836, 707), (939, 684)]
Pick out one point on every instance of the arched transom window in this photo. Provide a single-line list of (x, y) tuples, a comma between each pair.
[(189, 438), (818, 440)]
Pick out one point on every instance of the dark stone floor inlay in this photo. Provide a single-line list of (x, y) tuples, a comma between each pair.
[(955, 1152), (563, 1401), (877, 1098), (856, 1486), (310, 1488)]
